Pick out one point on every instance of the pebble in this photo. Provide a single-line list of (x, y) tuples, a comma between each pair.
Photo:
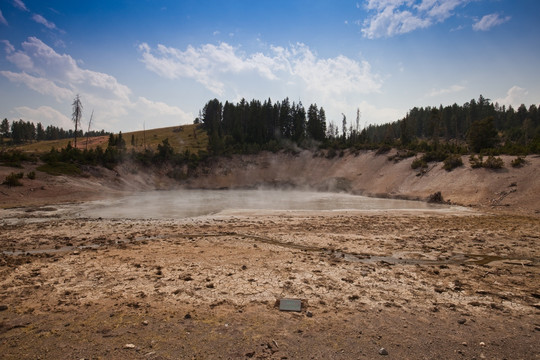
[(3, 307), (309, 314), (129, 346), (462, 321), (383, 351), (145, 322), (482, 344)]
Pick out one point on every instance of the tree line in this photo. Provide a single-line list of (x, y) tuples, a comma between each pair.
[(253, 126), (479, 124), (21, 131), (476, 126)]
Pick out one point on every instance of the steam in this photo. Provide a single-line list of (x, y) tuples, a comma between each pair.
[(192, 203)]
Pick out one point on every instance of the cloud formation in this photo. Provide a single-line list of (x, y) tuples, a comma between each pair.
[(41, 20), (210, 64), (3, 20), (450, 90), (388, 18), (513, 97), (46, 115), (489, 21), (20, 5), (49, 73)]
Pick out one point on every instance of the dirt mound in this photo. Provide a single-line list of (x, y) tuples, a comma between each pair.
[(366, 173), (370, 174)]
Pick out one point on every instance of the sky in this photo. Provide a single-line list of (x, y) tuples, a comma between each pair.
[(154, 63)]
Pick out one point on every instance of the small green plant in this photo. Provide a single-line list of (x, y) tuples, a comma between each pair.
[(31, 175), (438, 155), (13, 179), (476, 162), (493, 162), (419, 163), (452, 162), (332, 153), (385, 148), (518, 162), (401, 154)]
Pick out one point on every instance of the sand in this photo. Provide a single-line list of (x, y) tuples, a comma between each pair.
[(420, 284)]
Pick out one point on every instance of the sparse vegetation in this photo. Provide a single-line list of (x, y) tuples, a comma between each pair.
[(419, 163), (31, 175), (452, 162), (518, 162), (13, 179), (400, 155), (476, 161), (493, 162), (436, 198), (60, 168)]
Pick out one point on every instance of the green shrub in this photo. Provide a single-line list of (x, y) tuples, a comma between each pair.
[(401, 154), (418, 163), (332, 153), (493, 162), (13, 179), (476, 162), (60, 168), (31, 175), (383, 149), (452, 162), (438, 155), (518, 162)]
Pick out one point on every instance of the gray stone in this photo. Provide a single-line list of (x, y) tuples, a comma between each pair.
[(290, 305), (383, 351)]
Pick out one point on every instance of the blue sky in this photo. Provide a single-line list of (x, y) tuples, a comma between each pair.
[(155, 63)]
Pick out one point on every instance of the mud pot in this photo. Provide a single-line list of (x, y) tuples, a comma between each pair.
[(380, 283)]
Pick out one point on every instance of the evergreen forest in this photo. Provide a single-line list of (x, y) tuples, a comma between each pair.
[(478, 126)]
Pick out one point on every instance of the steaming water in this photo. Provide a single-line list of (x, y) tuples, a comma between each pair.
[(192, 203)]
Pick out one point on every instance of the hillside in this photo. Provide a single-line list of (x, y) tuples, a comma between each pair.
[(370, 174), (362, 173), (180, 138)]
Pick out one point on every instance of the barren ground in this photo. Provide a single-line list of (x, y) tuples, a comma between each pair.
[(421, 285)]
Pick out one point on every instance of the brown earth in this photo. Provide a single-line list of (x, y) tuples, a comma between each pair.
[(422, 285)]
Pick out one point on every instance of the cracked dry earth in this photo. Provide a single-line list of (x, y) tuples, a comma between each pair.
[(420, 285)]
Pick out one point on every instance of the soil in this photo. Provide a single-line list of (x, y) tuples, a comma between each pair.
[(412, 285)]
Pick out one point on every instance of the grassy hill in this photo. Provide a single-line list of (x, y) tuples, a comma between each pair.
[(181, 138)]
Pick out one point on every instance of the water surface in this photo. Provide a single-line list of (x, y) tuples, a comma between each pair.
[(192, 203)]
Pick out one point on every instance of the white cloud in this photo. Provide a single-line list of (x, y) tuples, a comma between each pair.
[(278, 72), (40, 59), (209, 64), (59, 76), (41, 20), (46, 115), (333, 76), (489, 21), (452, 89), (41, 85), (19, 4), (388, 18), (3, 20), (515, 97), (8, 47), (23, 61)]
